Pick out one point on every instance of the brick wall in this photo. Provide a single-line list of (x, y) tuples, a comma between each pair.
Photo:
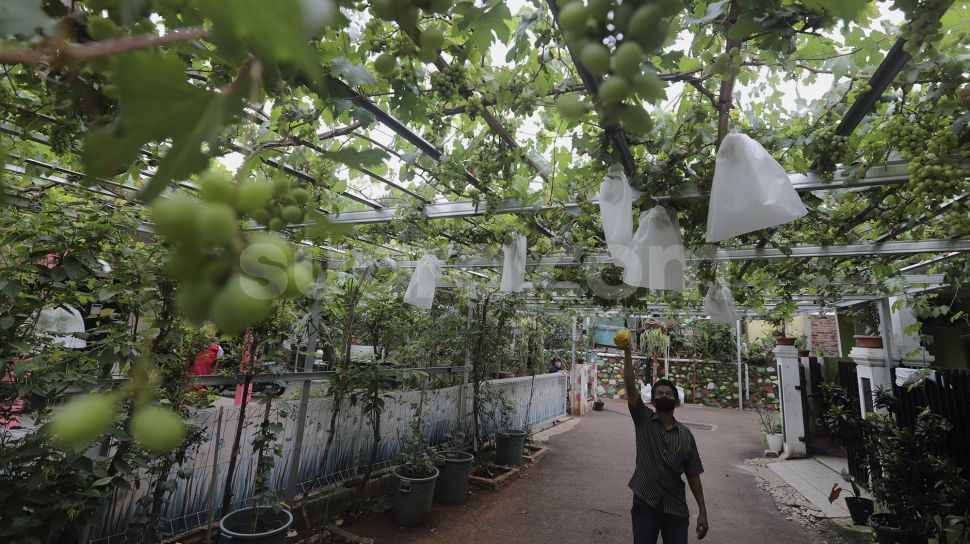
[(825, 335)]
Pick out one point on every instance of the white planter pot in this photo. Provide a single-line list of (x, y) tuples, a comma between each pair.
[(775, 441)]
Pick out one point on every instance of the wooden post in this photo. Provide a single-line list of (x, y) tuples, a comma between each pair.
[(212, 481), (311, 348)]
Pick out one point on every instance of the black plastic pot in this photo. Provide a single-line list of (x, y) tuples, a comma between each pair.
[(509, 444), (236, 526), (890, 529), (452, 485), (598, 405), (412, 499), (860, 508)]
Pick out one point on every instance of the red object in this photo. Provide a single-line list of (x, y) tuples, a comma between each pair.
[(205, 362)]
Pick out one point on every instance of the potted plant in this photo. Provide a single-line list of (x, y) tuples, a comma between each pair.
[(509, 440), (779, 331), (454, 470), (914, 481), (801, 343), (867, 316), (417, 474), (265, 522), (860, 508), (771, 428)]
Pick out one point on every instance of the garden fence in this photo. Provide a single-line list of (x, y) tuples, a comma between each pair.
[(848, 379), (947, 395), (190, 503)]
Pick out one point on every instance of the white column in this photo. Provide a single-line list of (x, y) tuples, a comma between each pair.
[(872, 371), (792, 415), (905, 348)]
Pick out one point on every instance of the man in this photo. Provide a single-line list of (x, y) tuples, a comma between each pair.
[(665, 450)]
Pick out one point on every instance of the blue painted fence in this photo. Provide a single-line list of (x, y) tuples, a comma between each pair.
[(189, 504)]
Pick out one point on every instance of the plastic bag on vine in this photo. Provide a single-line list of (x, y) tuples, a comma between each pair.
[(656, 259), (751, 191), (719, 304), (513, 266), (616, 210), (423, 282)]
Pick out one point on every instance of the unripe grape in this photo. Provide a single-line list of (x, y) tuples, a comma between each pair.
[(570, 106), (573, 17), (217, 224), (426, 54), (253, 195), (194, 299), (300, 278), (276, 224), (596, 58), (635, 120), (647, 27), (100, 28), (157, 429), (174, 218), (239, 304), (385, 63), (599, 9), (301, 196), (292, 214), (614, 89), (627, 59), (650, 87), (431, 38), (82, 420), (261, 216), (281, 186), (216, 186)]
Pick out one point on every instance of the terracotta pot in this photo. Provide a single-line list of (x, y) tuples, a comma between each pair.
[(868, 341), (784, 341), (803, 353)]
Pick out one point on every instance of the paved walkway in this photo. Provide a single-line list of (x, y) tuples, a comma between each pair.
[(578, 492)]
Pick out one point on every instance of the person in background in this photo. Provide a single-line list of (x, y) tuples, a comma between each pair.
[(555, 365), (665, 450)]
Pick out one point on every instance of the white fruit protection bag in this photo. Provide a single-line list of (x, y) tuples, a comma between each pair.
[(751, 191), (657, 257), (425, 278), (616, 210), (513, 266), (719, 304)]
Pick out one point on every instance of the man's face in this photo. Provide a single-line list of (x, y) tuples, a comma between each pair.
[(662, 392)]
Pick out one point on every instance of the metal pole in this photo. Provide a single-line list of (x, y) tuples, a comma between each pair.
[(212, 482), (740, 392), (311, 350), (464, 374)]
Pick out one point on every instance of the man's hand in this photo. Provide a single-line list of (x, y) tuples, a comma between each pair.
[(701, 526)]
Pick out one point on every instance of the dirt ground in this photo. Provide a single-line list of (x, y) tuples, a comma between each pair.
[(578, 492)]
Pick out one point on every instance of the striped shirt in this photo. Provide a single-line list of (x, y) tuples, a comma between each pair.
[(662, 456)]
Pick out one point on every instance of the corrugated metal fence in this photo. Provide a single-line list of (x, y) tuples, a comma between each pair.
[(947, 395), (189, 504)]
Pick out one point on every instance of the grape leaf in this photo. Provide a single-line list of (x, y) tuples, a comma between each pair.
[(713, 11), (23, 18), (354, 74), (157, 104), (355, 158), (482, 23), (321, 229), (274, 31)]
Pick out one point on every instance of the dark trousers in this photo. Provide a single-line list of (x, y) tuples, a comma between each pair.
[(650, 522)]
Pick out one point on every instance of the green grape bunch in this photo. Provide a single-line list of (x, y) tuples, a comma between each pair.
[(449, 82), (933, 178), (474, 107), (227, 275), (828, 150), (923, 29), (906, 137), (638, 29)]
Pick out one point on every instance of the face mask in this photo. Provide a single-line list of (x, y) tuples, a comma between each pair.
[(664, 404)]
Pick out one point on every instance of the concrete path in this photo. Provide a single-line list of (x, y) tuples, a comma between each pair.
[(578, 492)]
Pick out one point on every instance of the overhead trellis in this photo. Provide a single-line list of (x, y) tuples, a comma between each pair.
[(497, 117)]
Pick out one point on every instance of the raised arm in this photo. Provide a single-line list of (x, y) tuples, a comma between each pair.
[(629, 375)]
